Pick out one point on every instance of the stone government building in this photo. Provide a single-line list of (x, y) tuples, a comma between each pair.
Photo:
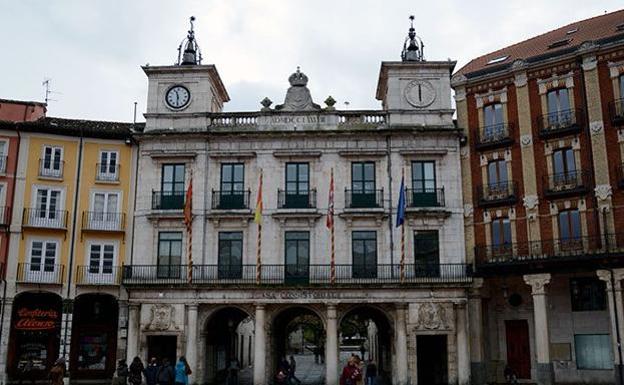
[(141, 240)]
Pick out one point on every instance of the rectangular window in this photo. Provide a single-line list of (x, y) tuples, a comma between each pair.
[(297, 244), (297, 185), (48, 211), (426, 253), (364, 249), (558, 101), (493, 122), (101, 258), (169, 254), (107, 168), (501, 232), (424, 193), (232, 178), (43, 256), (3, 155), (230, 255), (52, 162), (172, 186), (497, 173), (588, 294), (569, 224), (593, 351), (563, 162), (363, 184)]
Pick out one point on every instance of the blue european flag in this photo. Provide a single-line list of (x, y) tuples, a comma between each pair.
[(401, 206)]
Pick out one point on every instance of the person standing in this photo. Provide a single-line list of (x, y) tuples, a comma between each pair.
[(351, 373), (122, 372), (151, 372), (291, 373), (371, 372), (182, 371), (165, 373), (136, 371), (57, 373)]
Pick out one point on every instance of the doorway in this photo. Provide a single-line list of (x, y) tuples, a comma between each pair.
[(518, 348), (162, 347), (432, 362)]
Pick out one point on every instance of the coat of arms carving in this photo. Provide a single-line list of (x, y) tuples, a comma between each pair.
[(432, 316), (162, 317)]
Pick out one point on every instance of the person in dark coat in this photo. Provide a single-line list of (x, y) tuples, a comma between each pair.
[(136, 371), (371, 372), (151, 372), (122, 372), (165, 375)]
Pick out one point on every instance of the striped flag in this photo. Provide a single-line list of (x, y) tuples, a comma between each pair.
[(330, 208), (188, 222), (258, 211), (258, 220)]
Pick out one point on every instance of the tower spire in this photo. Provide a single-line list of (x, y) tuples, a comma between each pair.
[(191, 54), (413, 46)]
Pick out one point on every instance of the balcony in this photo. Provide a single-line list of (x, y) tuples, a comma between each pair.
[(40, 273), (51, 169), (98, 275), (296, 275), (425, 198), (101, 221), (560, 123), (168, 200), (107, 173), (494, 136), (230, 200), (497, 194), (300, 200), (616, 112), (5, 216), (367, 199), (49, 219), (566, 184)]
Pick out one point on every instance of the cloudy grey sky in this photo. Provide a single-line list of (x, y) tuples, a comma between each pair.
[(92, 50)]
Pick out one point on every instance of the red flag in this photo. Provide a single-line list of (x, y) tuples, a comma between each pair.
[(330, 208), (188, 206)]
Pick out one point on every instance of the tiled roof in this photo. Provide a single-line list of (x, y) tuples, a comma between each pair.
[(76, 127), (568, 37), (23, 102)]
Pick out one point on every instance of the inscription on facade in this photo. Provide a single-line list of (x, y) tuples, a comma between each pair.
[(298, 295)]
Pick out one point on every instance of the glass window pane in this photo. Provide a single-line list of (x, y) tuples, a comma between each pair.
[(356, 171), (226, 173), (593, 351), (553, 102), (564, 99), (179, 173), (369, 171), (238, 173), (303, 172), (575, 224), (564, 226), (167, 173), (570, 164)]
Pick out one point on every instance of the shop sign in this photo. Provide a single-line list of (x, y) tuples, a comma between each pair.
[(36, 319)]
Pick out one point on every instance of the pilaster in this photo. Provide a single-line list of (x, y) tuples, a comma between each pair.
[(191, 340), (331, 347), (259, 367), (401, 344), (463, 348), (133, 330), (538, 283), (475, 322)]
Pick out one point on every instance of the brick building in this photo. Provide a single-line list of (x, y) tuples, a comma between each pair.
[(544, 203)]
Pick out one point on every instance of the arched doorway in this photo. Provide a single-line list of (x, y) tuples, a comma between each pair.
[(298, 332), (229, 347), (94, 336), (366, 332), (35, 334)]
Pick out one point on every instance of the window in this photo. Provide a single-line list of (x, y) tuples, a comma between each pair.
[(593, 351), (169, 254), (363, 184), (364, 245), (621, 86), (493, 122), (101, 258), (230, 255), (42, 266), (48, 210), (297, 245), (3, 155), (498, 179), (560, 115), (107, 168), (297, 185), (424, 184), (426, 253), (564, 163), (104, 214), (588, 294), (232, 186), (569, 224), (172, 186), (501, 232), (52, 162)]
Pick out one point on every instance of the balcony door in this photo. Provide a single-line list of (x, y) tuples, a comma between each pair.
[(363, 184), (564, 168), (105, 211), (51, 164), (230, 255), (501, 236), (570, 231), (364, 249), (426, 254), (498, 179), (232, 186), (297, 185), (559, 113), (48, 212), (493, 118), (424, 184), (42, 266), (101, 262), (107, 169), (172, 186), (169, 254), (297, 267)]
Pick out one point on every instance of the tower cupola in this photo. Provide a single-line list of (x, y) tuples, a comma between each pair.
[(413, 45), (188, 50)]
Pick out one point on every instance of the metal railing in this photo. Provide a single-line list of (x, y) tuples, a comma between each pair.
[(560, 122), (566, 182), (5, 215), (168, 200), (425, 197), (494, 135), (297, 275), (40, 273), (363, 198), (497, 193), (296, 200), (105, 172), (99, 275), (55, 219), (230, 200), (616, 112), (49, 168), (101, 221)]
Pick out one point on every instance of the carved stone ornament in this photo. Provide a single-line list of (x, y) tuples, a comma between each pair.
[(162, 317), (266, 104), (432, 316), (603, 192), (468, 210), (530, 202), (298, 97), (526, 140), (537, 282), (596, 127)]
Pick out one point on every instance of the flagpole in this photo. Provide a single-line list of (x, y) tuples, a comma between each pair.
[(402, 231), (189, 229), (258, 219), (330, 214)]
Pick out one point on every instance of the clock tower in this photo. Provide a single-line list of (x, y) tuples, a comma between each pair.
[(181, 96), (415, 91)]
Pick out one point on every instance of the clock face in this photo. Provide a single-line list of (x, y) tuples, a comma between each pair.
[(420, 93), (177, 97)]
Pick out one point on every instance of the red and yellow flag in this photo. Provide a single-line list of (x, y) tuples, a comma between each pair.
[(330, 207), (258, 212), (188, 206)]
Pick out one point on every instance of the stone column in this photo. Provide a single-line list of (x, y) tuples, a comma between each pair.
[(259, 367), (615, 315), (475, 321), (6, 330), (133, 331), (538, 282), (400, 341), (191, 340), (463, 348), (331, 347)]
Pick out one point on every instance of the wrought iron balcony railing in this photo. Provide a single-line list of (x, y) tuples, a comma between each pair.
[(425, 197), (566, 183), (40, 273), (497, 193), (616, 112), (101, 221), (357, 199), (557, 123), (54, 219), (493, 136), (296, 200), (49, 168), (105, 172), (230, 200), (107, 275), (168, 200), (296, 275)]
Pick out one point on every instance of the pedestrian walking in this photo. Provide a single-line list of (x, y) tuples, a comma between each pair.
[(291, 373), (182, 371), (371, 372), (151, 372), (122, 372), (136, 371), (351, 373), (57, 373), (165, 375)]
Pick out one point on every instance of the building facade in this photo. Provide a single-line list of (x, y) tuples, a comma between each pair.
[(206, 260), (542, 177)]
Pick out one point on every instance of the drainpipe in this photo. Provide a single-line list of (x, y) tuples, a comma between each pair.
[(390, 227), (136, 187)]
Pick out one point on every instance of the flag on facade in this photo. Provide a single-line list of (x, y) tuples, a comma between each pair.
[(330, 208), (258, 211), (258, 220), (401, 206), (188, 222)]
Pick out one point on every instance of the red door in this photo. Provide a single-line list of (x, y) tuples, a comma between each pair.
[(518, 349)]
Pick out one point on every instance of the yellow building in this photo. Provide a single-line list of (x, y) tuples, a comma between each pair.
[(70, 235)]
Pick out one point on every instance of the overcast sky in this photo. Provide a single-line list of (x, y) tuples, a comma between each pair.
[(93, 50)]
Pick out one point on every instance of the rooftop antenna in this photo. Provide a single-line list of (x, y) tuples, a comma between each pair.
[(46, 83), (134, 120)]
